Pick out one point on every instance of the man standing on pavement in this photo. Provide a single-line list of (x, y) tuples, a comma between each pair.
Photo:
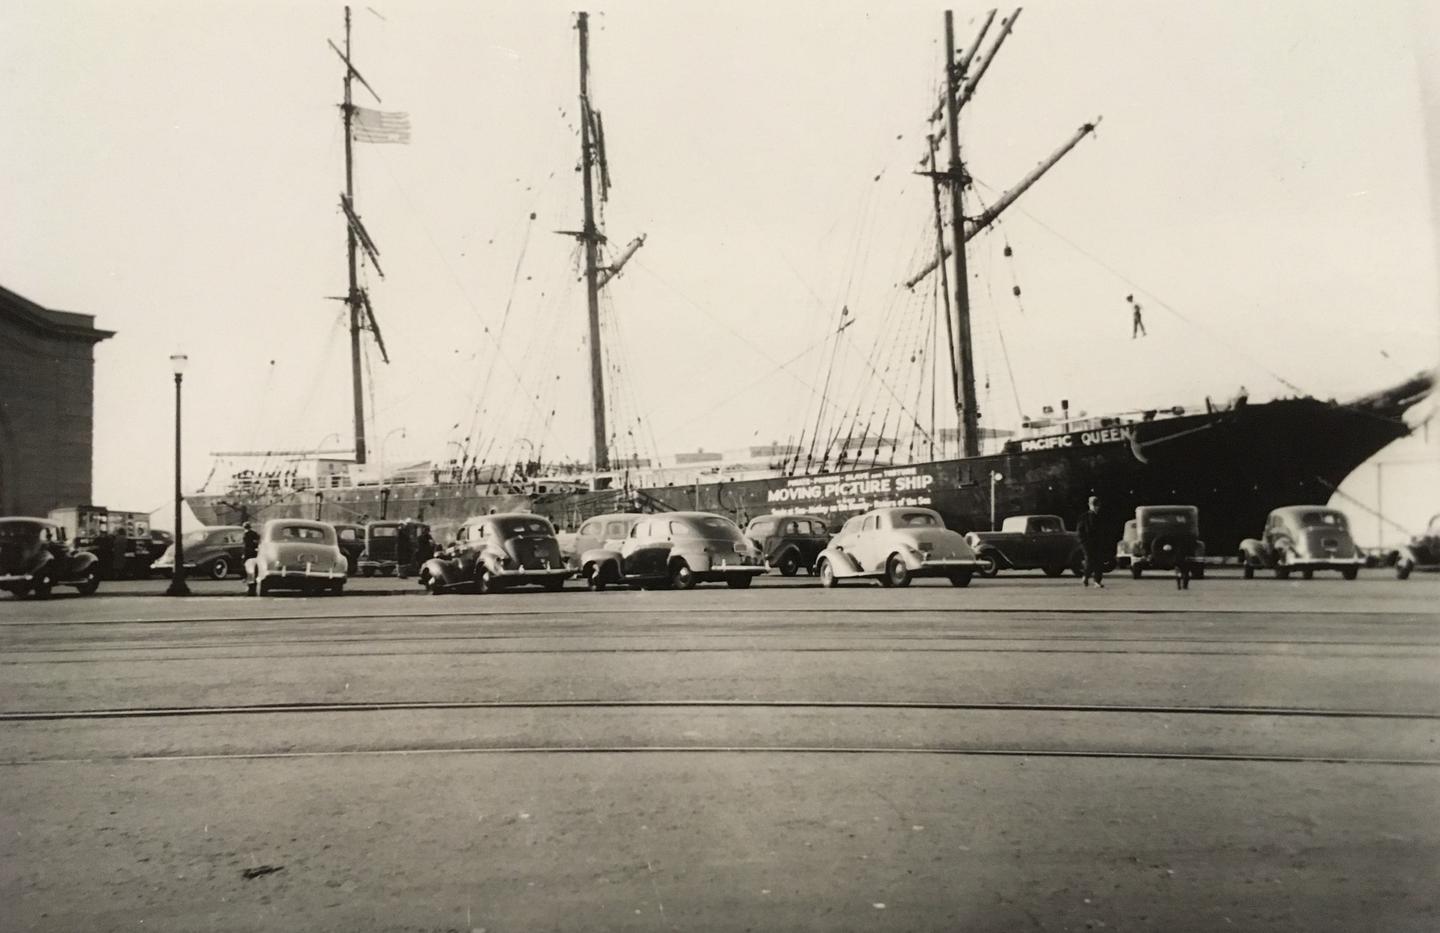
[(1092, 542), (250, 543)]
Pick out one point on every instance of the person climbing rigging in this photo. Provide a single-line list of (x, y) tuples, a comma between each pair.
[(1137, 322)]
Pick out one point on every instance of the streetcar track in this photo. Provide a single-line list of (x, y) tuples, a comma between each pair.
[(1299, 655), (946, 611), (268, 709), (942, 750)]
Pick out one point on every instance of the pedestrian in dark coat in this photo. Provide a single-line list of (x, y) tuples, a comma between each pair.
[(250, 542), (1092, 542)]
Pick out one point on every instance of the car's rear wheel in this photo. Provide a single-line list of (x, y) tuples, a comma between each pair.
[(826, 573), (1402, 572), (1282, 573), (990, 565), (739, 583), (1308, 574), (337, 589), (218, 569), (1248, 573), (40, 587), (1350, 573), (368, 571), (595, 578), (1198, 572), (789, 564), (681, 576), (1054, 571), (555, 584), (960, 579), (90, 584), (1136, 571), (896, 573)]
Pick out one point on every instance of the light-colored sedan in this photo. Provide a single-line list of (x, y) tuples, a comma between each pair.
[(298, 555), (895, 546)]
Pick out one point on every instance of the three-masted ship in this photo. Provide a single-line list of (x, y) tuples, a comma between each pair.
[(1235, 460)]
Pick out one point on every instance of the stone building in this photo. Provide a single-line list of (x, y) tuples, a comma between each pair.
[(47, 406)]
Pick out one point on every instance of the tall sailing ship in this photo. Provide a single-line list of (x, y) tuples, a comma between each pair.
[(1235, 460)]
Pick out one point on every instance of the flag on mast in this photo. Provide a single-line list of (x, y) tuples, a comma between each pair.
[(380, 126)]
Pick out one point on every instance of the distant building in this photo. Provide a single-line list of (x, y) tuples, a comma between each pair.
[(47, 406)]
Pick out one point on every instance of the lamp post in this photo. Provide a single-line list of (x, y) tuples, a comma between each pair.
[(177, 579), (387, 437), (994, 478)]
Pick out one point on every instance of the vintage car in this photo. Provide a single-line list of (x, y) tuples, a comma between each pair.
[(1422, 553), (493, 552), (296, 554), (1303, 538), (1158, 537), (216, 552), (34, 559), (352, 541), (389, 548), (789, 542), (1028, 542), (676, 549), (896, 545), (601, 531)]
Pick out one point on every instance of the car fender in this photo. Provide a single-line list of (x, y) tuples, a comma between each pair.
[(986, 551), (1406, 558), (442, 570), (80, 562), (600, 556), (842, 563), (604, 568), (908, 553), (1254, 552)]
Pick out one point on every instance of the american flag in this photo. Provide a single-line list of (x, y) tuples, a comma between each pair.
[(380, 126)]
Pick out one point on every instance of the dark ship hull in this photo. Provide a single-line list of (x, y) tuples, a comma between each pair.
[(1235, 465)]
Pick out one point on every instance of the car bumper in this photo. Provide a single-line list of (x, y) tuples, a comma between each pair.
[(290, 575), (10, 579), (944, 567), (1323, 563), (532, 576)]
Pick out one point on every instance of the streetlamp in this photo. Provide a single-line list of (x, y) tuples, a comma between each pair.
[(994, 478), (382, 450), (177, 579)]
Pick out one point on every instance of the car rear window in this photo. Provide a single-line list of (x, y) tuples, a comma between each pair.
[(1048, 526), (1323, 520), (387, 531), (299, 533), (525, 526), (761, 529), (917, 520), (712, 526)]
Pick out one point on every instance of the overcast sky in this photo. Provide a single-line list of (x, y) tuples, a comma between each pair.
[(1259, 181)]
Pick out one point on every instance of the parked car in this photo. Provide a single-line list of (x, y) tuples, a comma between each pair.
[(789, 542), (296, 554), (1029, 542), (381, 554), (602, 531), (676, 549), (1159, 536), (896, 545), (352, 541), (34, 559), (216, 552), (495, 552), (1422, 553), (1303, 538)]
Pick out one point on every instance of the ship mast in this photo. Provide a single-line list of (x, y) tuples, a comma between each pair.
[(592, 238), (964, 360), (353, 296)]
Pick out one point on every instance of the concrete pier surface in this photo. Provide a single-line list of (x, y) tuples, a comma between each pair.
[(1022, 754)]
